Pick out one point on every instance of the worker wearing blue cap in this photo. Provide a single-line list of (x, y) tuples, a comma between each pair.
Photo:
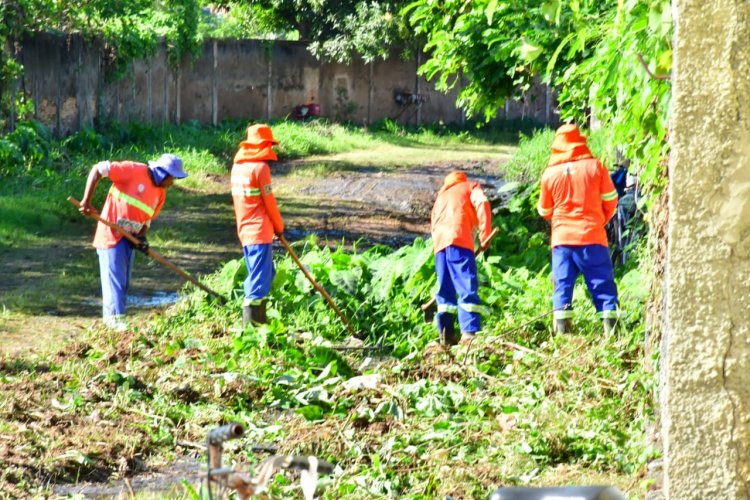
[(137, 194)]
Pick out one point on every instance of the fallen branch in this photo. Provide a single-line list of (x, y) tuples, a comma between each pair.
[(521, 348)]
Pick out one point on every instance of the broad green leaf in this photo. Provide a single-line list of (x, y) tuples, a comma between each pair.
[(529, 52), (312, 412), (551, 11), (553, 60)]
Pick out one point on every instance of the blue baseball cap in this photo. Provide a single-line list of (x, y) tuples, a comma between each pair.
[(168, 164)]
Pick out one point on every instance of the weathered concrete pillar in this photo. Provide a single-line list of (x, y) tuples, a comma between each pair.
[(149, 92), (418, 89), (706, 360), (58, 93)]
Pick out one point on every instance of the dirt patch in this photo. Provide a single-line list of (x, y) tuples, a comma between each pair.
[(387, 206), (160, 482)]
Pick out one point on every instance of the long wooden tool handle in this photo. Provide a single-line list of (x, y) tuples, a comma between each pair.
[(319, 288), (477, 253), (151, 253)]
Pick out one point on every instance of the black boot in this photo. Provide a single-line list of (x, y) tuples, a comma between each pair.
[(258, 313), (254, 313), (562, 325), (448, 335)]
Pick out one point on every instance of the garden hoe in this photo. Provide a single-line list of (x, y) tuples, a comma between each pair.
[(429, 308), (151, 253), (319, 288)]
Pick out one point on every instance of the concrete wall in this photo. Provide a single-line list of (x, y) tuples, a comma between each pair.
[(245, 79), (706, 363)]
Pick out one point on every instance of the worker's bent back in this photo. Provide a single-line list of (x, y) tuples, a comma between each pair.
[(579, 197)]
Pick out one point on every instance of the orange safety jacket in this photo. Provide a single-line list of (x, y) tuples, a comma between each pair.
[(132, 202), (577, 192), (460, 209), (255, 208)]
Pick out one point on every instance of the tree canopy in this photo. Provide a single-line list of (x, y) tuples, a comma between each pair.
[(609, 56), (335, 30)]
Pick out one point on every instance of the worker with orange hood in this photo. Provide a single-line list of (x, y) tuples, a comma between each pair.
[(461, 208), (578, 196), (258, 217)]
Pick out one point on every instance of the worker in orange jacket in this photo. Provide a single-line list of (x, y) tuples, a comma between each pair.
[(461, 208), (135, 198), (578, 196), (258, 217)]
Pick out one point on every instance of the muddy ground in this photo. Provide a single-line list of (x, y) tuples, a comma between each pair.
[(51, 292)]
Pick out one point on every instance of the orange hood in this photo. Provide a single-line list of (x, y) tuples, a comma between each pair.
[(452, 179), (569, 145), (255, 152)]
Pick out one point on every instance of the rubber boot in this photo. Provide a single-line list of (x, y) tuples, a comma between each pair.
[(448, 336), (609, 325), (258, 313), (467, 338), (254, 314), (562, 325)]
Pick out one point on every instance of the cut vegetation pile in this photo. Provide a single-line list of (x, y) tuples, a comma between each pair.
[(525, 407)]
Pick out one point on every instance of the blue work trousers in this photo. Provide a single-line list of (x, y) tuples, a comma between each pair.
[(593, 261), (456, 270), (260, 272), (115, 268)]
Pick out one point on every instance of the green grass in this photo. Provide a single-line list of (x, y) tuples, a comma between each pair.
[(527, 407)]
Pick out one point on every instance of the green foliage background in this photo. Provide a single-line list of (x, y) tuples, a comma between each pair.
[(610, 58)]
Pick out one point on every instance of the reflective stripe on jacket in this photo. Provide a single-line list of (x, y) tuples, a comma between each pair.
[(460, 209), (579, 198), (132, 202), (255, 207)]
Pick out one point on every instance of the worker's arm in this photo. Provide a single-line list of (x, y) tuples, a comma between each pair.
[(98, 171), (546, 205), (269, 200), (608, 193), (484, 212)]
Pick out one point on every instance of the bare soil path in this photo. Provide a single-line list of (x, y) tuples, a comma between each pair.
[(50, 292)]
